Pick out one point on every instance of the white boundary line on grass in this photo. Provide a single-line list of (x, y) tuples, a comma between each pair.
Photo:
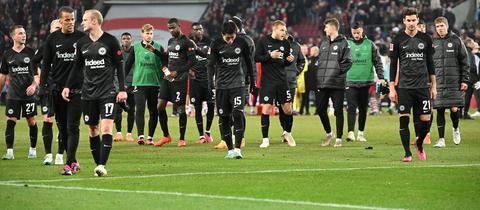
[(67, 179), (198, 195)]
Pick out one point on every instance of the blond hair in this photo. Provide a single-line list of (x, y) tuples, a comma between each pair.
[(147, 27), (95, 14), (278, 23), (441, 20)]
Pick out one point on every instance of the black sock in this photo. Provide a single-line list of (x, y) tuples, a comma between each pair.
[(47, 135), (405, 134), (162, 117), (441, 122), (424, 126), (62, 138), (182, 123), (95, 148), (118, 121), (130, 120), (199, 118), (210, 115), (72, 145), (416, 121), (152, 122), (226, 131), (239, 130), (10, 133), (265, 125), (454, 116), (33, 135), (281, 117), (288, 123), (106, 147)]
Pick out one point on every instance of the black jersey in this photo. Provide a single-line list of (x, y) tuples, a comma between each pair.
[(181, 56), (200, 66), (96, 63), (273, 70), (58, 56), (18, 66), (415, 56), (226, 59)]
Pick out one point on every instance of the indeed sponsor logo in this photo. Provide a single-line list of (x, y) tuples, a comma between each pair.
[(231, 61), (95, 64), (173, 54), (20, 70), (65, 55), (414, 55)]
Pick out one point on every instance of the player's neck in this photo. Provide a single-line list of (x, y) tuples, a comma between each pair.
[(275, 37), (95, 34), (64, 31), (411, 33), (126, 48), (333, 36), (18, 47)]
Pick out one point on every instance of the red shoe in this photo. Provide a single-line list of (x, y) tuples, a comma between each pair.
[(163, 141), (421, 154), (181, 143), (149, 142), (209, 138), (407, 159), (201, 140)]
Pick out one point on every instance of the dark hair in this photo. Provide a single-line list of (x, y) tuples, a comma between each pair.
[(14, 28), (65, 9), (173, 20), (196, 24), (421, 22), (409, 11), (238, 22), (229, 27), (332, 21), (356, 25), (126, 34), (382, 49)]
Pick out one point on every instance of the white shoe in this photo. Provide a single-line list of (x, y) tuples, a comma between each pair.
[(290, 140), (59, 159), (351, 136), (476, 114), (361, 138), (440, 143), (283, 137), (327, 140), (32, 153), (48, 159), (237, 154), (338, 143), (456, 136), (8, 155), (100, 170), (265, 143)]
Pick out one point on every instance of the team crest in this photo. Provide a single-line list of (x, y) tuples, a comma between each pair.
[(401, 108), (238, 50), (102, 51), (421, 46), (44, 109), (449, 45), (177, 47), (86, 117), (220, 111), (192, 100), (335, 47), (282, 48), (10, 111), (26, 60), (265, 98)]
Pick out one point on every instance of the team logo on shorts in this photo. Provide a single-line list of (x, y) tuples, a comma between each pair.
[(44, 109), (192, 100), (177, 47), (10, 111), (449, 45), (102, 51), (220, 111), (86, 118), (26, 60), (335, 47), (238, 50), (282, 48), (421, 46), (265, 98), (401, 108)]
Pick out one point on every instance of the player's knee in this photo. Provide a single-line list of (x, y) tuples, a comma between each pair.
[(454, 109), (47, 119), (425, 117), (93, 130), (31, 121), (12, 119), (287, 110), (181, 109), (266, 108)]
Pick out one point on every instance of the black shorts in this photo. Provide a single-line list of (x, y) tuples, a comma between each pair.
[(278, 92), (175, 92), (418, 99), (228, 100), (93, 110), (199, 92), (26, 108), (46, 104)]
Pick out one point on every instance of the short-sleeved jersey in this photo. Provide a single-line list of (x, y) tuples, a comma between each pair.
[(415, 56), (18, 66)]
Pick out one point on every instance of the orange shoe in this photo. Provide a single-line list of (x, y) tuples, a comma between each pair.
[(181, 143), (163, 140), (221, 145), (129, 137), (413, 141), (427, 139), (243, 143), (118, 137)]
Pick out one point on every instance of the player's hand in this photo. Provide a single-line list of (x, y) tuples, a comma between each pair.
[(121, 97), (382, 82), (463, 86), (275, 54), (149, 47), (172, 75), (477, 85), (31, 90), (290, 58), (66, 94), (393, 95), (253, 89), (433, 92), (191, 72)]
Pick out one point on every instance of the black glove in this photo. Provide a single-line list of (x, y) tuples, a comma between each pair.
[(124, 105), (253, 89)]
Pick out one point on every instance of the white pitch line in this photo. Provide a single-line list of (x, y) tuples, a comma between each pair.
[(198, 195), (67, 179)]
